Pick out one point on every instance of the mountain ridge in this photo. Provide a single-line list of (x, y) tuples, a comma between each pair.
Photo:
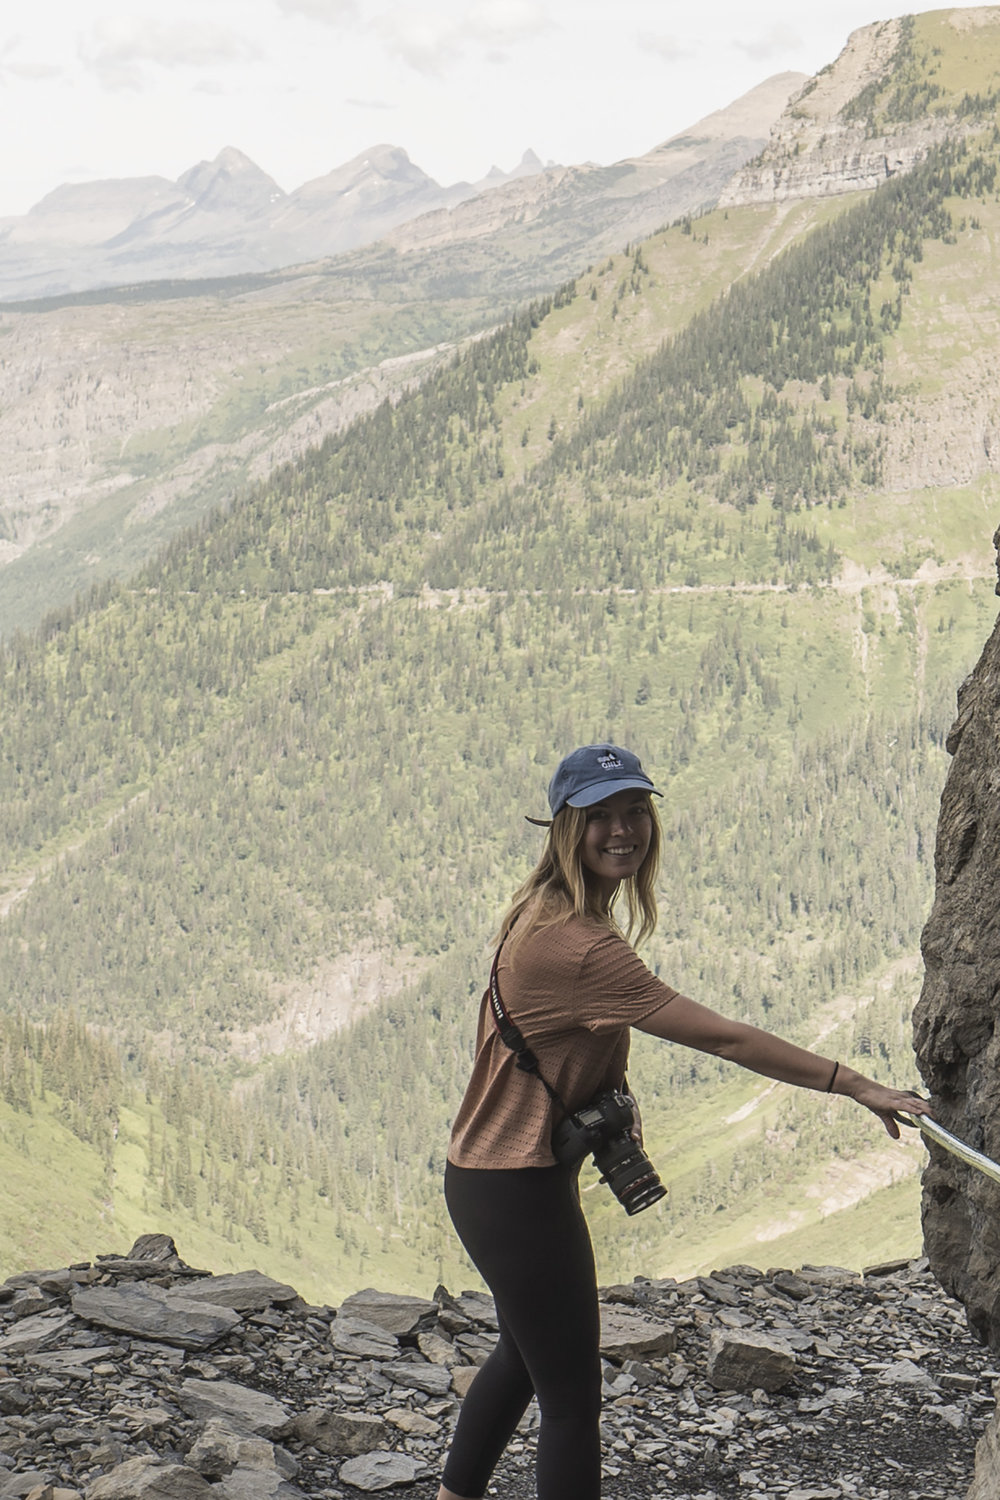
[(201, 224), (227, 217)]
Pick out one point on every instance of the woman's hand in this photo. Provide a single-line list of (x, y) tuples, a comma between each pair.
[(887, 1103)]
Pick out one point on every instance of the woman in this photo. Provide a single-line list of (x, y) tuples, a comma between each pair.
[(569, 981)]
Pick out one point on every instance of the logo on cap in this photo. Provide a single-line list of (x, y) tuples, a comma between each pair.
[(609, 761)]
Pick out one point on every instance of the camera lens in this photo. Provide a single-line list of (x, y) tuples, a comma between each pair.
[(630, 1174)]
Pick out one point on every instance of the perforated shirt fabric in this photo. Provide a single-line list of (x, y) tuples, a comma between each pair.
[(574, 989)]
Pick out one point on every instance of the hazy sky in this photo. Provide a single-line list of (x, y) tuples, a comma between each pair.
[(114, 88)]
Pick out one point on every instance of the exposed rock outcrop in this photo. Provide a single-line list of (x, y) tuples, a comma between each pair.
[(785, 1385), (823, 144), (956, 1034)]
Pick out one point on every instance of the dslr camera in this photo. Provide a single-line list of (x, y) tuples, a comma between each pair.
[(604, 1127)]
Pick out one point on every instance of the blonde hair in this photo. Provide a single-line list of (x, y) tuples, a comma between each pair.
[(557, 887)]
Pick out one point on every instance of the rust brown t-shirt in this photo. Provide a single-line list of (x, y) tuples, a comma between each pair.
[(574, 990)]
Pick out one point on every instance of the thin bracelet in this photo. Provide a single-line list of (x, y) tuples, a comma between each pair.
[(833, 1078)]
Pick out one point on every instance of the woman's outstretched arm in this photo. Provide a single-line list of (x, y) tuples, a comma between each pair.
[(693, 1025)]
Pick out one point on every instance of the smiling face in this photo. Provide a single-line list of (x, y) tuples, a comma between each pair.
[(616, 839)]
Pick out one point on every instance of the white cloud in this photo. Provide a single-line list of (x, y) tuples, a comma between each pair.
[(777, 39), (430, 41), (26, 70), (120, 50), (30, 72), (667, 47)]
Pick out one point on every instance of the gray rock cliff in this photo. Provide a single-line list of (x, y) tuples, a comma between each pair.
[(956, 1035)]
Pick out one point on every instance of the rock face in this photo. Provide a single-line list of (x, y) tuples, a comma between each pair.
[(823, 145), (956, 1031), (882, 1394)]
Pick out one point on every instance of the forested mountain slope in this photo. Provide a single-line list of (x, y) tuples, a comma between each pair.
[(686, 503)]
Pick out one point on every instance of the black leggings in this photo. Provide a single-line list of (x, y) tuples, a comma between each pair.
[(525, 1231)]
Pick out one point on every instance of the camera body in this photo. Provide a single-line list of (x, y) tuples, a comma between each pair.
[(604, 1127)]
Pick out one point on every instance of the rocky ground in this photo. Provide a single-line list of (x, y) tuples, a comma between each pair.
[(138, 1378)]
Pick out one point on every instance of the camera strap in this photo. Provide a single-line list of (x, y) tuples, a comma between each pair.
[(512, 1037)]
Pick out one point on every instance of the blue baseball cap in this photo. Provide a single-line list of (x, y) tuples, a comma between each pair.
[(594, 772)]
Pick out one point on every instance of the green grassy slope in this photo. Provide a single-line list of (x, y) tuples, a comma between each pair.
[(308, 733)]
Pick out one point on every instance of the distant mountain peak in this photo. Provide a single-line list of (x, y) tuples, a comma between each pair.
[(370, 170), (231, 181)]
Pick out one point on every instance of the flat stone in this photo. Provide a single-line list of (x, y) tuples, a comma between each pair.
[(220, 1449), (244, 1409), (830, 1276), (747, 1361), (905, 1372), (148, 1312), (479, 1307), (150, 1479), (793, 1286), (434, 1379), (380, 1471), (436, 1349), (392, 1311), (414, 1423), (38, 1332), (72, 1362), (342, 1433), (462, 1377), (256, 1484), (365, 1339), (630, 1335), (17, 1486), (245, 1291)]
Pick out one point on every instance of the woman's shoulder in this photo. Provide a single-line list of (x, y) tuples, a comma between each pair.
[(571, 937)]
